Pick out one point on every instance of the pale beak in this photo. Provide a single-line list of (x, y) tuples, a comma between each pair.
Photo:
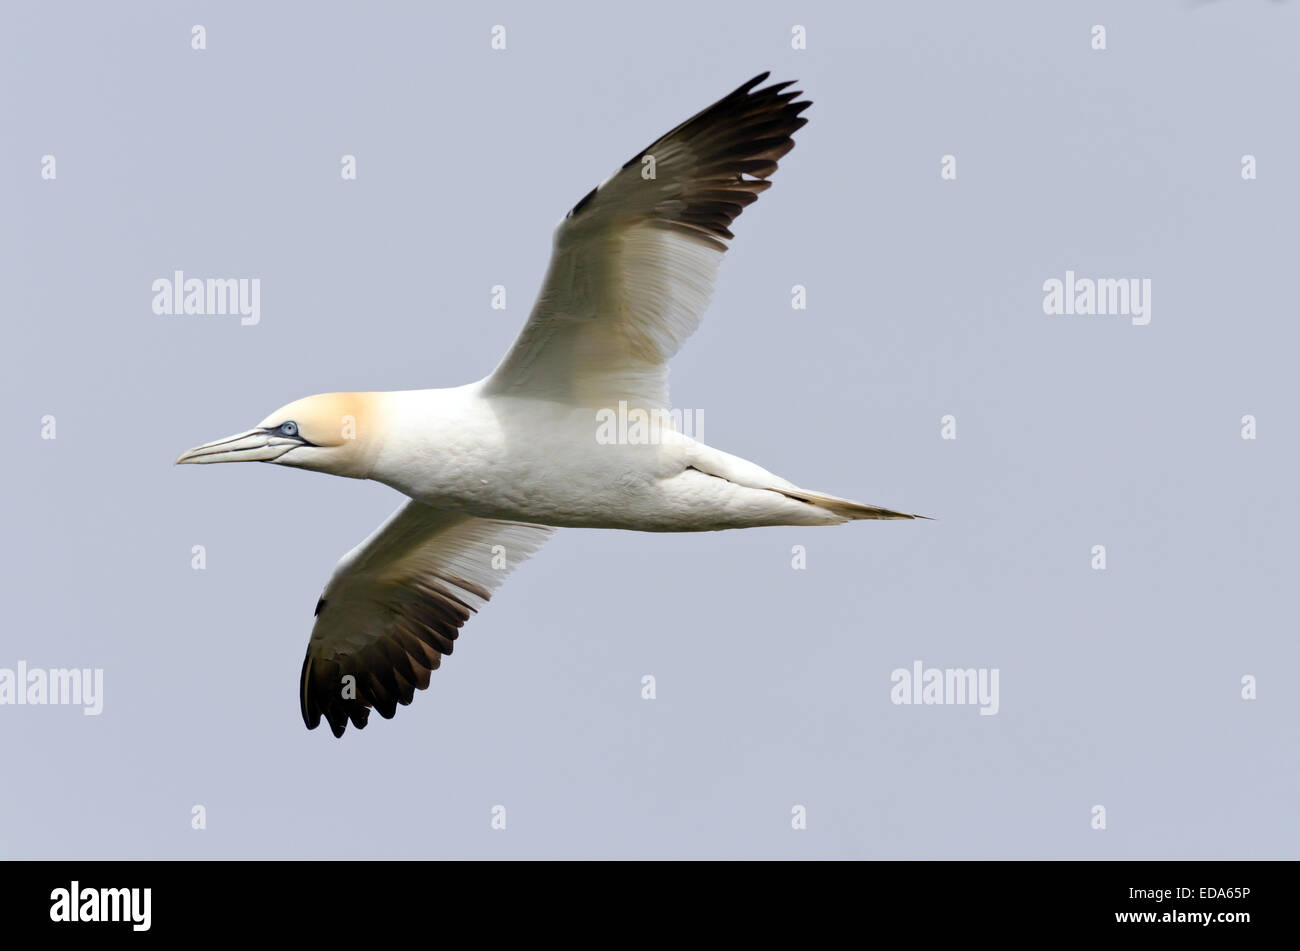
[(256, 445)]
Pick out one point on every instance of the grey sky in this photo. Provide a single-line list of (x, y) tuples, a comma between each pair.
[(1119, 687)]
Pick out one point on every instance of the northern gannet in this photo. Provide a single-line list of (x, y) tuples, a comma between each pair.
[(492, 467)]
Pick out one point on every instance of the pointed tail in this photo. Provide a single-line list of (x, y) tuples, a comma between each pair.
[(844, 508)]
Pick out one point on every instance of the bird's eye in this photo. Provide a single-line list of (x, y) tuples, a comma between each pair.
[(290, 428)]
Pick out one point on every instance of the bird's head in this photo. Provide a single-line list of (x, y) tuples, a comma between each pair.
[(332, 432)]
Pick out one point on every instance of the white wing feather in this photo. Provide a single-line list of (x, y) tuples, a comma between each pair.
[(634, 263)]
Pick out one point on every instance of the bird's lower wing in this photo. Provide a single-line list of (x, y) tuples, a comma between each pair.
[(633, 264), (395, 605)]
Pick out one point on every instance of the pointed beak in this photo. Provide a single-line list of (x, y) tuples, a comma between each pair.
[(256, 445)]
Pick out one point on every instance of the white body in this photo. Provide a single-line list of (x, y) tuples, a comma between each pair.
[(504, 457), (493, 466)]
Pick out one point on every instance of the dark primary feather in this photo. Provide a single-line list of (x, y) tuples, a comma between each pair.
[(419, 623), (395, 605), (733, 146)]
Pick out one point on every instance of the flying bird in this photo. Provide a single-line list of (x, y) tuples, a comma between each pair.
[(492, 467)]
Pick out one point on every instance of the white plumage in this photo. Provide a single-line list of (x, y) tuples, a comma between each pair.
[(491, 467)]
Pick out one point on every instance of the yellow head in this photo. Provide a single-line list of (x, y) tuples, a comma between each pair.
[(336, 433)]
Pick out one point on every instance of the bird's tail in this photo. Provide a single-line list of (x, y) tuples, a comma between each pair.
[(844, 508), (724, 465)]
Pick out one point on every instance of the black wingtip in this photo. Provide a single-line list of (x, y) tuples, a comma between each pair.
[(310, 712)]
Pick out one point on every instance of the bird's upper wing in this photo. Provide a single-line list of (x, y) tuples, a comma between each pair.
[(395, 605), (634, 262)]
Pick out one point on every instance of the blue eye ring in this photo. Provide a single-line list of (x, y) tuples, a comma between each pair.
[(289, 429)]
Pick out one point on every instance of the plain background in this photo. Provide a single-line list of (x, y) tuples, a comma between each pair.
[(1118, 687)]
